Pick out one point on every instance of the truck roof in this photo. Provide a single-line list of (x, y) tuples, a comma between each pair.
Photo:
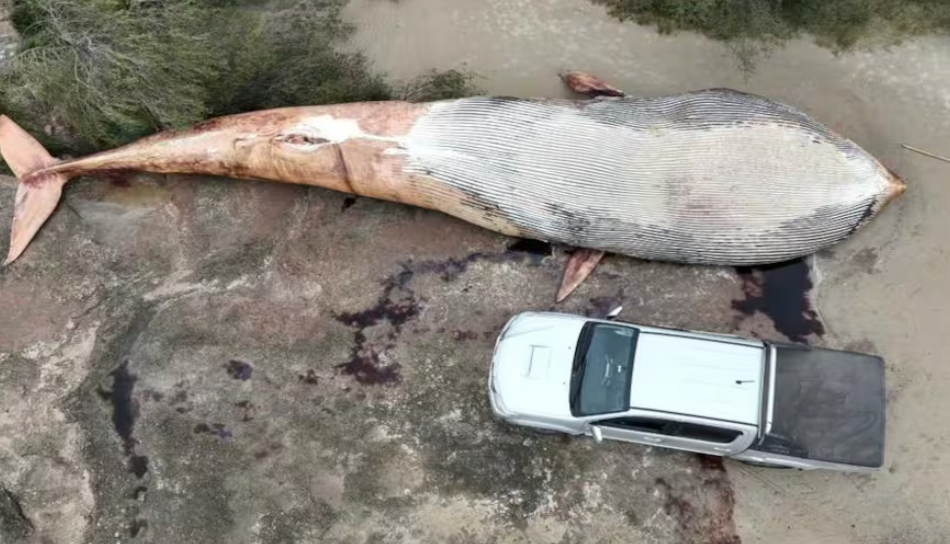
[(715, 379)]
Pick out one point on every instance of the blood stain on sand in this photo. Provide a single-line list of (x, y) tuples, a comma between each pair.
[(783, 293)]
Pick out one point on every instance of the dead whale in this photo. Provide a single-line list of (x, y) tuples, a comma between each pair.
[(714, 176)]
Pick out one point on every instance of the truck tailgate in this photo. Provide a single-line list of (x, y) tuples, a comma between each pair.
[(828, 406)]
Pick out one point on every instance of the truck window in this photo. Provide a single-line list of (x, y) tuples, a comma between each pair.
[(603, 368), (679, 429)]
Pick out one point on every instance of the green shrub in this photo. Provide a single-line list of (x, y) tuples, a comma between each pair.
[(93, 74), (289, 57), (436, 85), (109, 73)]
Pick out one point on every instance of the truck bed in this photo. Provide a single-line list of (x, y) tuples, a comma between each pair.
[(828, 406)]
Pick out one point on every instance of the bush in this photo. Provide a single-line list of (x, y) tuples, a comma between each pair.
[(289, 57), (753, 28), (436, 85), (109, 73), (93, 74)]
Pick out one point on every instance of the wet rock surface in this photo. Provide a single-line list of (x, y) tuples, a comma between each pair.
[(203, 360)]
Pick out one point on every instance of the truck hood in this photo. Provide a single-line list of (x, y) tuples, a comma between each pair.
[(531, 367)]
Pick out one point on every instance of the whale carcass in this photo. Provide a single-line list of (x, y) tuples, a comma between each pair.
[(709, 177)]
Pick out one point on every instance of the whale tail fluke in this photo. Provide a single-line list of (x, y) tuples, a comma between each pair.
[(38, 189)]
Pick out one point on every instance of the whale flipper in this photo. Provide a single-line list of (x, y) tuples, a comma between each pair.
[(578, 268), (584, 83)]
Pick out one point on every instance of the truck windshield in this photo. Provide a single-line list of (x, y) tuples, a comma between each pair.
[(603, 368)]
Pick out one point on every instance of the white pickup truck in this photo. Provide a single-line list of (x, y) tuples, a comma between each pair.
[(771, 404)]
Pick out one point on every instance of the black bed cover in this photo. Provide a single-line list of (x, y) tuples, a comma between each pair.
[(829, 406)]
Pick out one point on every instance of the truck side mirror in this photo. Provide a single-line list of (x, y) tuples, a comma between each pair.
[(595, 432)]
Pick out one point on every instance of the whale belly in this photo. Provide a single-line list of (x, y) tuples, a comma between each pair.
[(709, 177)]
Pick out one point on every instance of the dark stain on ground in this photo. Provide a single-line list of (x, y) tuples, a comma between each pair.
[(348, 203), (675, 505), (396, 305), (248, 408), (710, 463), (179, 400), (13, 521), (239, 370), (123, 405), (781, 292), (138, 464), (116, 178), (450, 269), (309, 378), (139, 492), (152, 395), (534, 247), (600, 307), (137, 526), (704, 518), (124, 412), (216, 429)]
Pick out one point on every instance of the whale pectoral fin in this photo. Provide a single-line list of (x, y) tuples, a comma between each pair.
[(581, 264), (584, 83)]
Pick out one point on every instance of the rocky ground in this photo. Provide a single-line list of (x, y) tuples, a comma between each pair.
[(203, 360)]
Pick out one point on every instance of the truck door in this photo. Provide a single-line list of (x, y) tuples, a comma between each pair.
[(633, 429), (700, 438)]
